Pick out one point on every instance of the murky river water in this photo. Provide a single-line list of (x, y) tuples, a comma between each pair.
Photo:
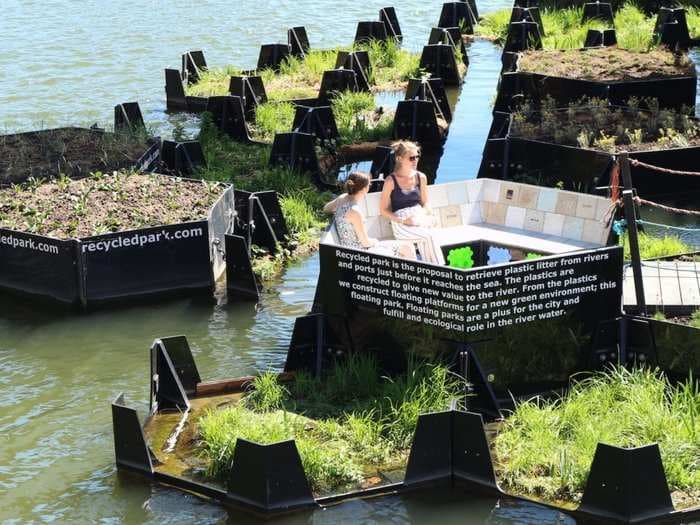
[(67, 62)]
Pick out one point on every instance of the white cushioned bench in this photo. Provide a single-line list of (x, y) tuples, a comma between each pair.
[(544, 220)]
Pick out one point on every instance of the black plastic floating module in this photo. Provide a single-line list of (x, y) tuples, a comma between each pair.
[(251, 91), (433, 90), (336, 81), (182, 158), (172, 259), (528, 14), (298, 41), (357, 61), (451, 36), (459, 14), (268, 478), (600, 38), (272, 55), (175, 97), (260, 220), (391, 21), (511, 157), (601, 11), (240, 278), (316, 340), (371, 30), (383, 162), (522, 36), (228, 116), (128, 117), (527, 3), (494, 155), (193, 63), (439, 60), (416, 120), (614, 491), (514, 86), (316, 120), (671, 28)]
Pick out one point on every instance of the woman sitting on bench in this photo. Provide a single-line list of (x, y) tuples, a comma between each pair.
[(404, 202), (350, 224)]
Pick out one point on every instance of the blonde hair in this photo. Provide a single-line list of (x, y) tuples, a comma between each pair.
[(402, 147), (356, 181)]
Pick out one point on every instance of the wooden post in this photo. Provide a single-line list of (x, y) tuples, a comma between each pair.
[(630, 217)]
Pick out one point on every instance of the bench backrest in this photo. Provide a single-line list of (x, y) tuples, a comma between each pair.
[(547, 211)]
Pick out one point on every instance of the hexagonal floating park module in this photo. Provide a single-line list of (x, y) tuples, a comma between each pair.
[(608, 73), (333, 427), (575, 145), (111, 237)]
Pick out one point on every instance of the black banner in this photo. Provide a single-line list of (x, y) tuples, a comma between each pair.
[(38, 265), (147, 261), (528, 321)]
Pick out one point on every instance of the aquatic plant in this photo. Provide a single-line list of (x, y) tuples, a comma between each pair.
[(594, 123), (247, 167), (545, 448), (300, 78), (564, 28), (358, 120), (350, 419), (651, 247), (391, 64), (272, 118)]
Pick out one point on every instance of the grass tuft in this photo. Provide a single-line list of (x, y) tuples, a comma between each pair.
[(545, 448), (357, 119), (246, 166), (343, 423), (564, 28), (651, 247)]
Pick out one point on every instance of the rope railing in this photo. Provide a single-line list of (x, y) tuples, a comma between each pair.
[(639, 163), (664, 207)]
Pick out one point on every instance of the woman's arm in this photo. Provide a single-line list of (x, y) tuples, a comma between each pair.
[(385, 202), (331, 206), (354, 218), (424, 191)]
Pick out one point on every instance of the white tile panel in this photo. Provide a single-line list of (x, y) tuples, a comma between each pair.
[(547, 200), (437, 196), (491, 190), (474, 189), (515, 217), (553, 224), (457, 193), (573, 228)]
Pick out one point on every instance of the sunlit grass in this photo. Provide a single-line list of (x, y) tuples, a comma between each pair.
[(545, 448), (651, 247), (564, 28), (357, 120), (350, 419)]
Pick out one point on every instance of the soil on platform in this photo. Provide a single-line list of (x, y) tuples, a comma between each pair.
[(606, 64), (103, 203), (73, 151)]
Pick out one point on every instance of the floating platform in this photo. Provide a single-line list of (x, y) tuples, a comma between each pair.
[(671, 287)]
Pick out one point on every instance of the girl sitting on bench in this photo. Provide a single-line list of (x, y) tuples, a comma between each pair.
[(350, 225)]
